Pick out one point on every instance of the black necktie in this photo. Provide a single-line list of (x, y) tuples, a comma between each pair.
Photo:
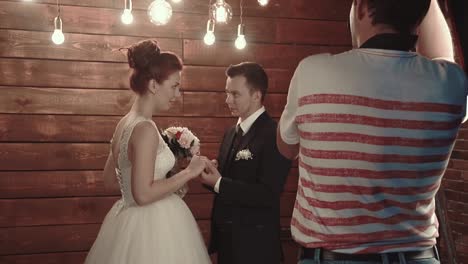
[(232, 151), (235, 143), (237, 137)]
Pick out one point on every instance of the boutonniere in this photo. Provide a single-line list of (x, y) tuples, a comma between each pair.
[(244, 154)]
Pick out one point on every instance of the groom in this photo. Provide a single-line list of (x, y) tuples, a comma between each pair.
[(245, 221)]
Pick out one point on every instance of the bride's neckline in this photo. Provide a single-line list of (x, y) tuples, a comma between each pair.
[(138, 115)]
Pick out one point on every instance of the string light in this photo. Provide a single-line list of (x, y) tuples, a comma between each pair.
[(263, 2), (221, 12), (127, 17), (159, 12), (210, 38), (58, 37), (240, 42)]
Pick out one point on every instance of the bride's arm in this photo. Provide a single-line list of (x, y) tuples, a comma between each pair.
[(144, 143)]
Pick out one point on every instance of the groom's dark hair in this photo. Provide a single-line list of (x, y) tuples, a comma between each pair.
[(255, 75)]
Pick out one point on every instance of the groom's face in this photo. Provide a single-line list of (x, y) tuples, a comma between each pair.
[(239, 97)]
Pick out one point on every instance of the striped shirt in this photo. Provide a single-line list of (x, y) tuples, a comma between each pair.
[(376, 129)]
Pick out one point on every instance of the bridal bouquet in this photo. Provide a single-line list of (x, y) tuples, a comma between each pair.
[(183, 144)]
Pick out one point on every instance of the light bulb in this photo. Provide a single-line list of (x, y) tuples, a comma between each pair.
[(159, 12), (240, 42), (58, 37), (210, 38), (176, 1), (127, 17), (263, 2), (221, 12)]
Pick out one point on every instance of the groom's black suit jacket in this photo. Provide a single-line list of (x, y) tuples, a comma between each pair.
[(248, 203)]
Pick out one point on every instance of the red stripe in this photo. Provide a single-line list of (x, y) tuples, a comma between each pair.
[(375, 206), (376, 140), (377, 122), (363, 190), (371, 174), (382, 158), (358, 237), (362, 219), (379, 104), (388, 248)]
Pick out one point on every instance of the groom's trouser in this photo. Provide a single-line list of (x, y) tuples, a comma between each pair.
[(225, 249)]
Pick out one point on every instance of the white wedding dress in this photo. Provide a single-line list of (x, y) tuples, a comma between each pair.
[(163, 232)]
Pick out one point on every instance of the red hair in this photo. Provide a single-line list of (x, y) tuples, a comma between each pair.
[(149, 63)]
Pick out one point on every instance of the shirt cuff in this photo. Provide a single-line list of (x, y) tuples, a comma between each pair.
[(216, 187)]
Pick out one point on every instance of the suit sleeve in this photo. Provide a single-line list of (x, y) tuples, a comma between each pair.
[(220, 152), (274, 169)]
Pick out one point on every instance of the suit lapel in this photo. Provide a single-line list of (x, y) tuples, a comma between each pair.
[(227, 159), (226, 149), (247, 138)]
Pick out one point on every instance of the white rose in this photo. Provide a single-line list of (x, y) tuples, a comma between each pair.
[(185, 140)]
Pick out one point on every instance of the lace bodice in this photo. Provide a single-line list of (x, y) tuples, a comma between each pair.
[(164, 162)]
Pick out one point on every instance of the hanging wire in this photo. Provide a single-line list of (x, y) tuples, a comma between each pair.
[(210, 9), (58, 8), (241, 11)]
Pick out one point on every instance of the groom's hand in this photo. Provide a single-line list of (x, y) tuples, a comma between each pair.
[(210, 175)]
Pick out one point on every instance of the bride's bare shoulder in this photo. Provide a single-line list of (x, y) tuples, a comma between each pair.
[(144, 133)]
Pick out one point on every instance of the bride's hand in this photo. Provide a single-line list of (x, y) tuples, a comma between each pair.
[(197, 165)]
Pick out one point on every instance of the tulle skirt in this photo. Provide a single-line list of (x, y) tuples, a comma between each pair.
[(162, 232)]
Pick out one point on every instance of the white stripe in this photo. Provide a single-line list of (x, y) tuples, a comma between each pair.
[(373, 149), (365, 198), (365, 165), (375, 112), (355, 181), (377, 131), (386, 212), (365, 228)]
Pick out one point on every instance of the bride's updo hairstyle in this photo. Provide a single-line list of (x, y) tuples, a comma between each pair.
[(148, 62)]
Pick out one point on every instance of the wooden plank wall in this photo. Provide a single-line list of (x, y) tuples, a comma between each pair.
[(59, 105)]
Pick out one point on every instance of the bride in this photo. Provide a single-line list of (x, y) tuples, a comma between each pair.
[(149, 224)]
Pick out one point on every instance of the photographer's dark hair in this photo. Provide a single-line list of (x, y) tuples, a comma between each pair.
[(403, 15), (255, 76), (148, 62)]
